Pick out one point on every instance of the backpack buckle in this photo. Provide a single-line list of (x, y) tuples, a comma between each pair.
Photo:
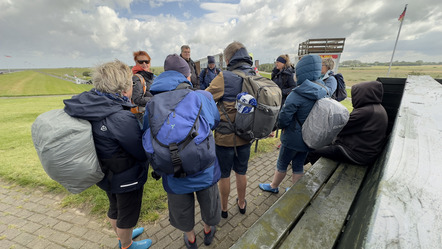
[(176, 161)]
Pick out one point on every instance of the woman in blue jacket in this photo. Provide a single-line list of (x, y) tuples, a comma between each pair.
[(117, 138), (297, 107)]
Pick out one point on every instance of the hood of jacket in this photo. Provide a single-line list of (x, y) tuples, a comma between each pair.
[(308, 68), (365, 93), (94, 105), (240, 57), (168, 81)]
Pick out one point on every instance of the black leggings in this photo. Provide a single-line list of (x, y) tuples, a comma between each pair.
[(334, 152)]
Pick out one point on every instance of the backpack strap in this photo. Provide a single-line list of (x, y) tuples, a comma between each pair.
[(143, 82)]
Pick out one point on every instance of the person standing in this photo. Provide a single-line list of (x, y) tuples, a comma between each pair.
[(283, 74), (194, 79), (327, 75), (117, 138), (232, 151), (142, 80), (209, 73), (194, 167), (297, 107)]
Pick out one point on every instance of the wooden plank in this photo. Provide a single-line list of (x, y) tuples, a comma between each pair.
[(402, 207), (323, 220), (267, 231)]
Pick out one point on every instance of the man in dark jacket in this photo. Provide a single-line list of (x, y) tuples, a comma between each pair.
[(224, 88), (194, 79), (362, 139), (117, 138)]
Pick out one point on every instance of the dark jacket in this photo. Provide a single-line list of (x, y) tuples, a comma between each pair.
[(364, 135), (206, 76), (300, 102), (284, 79), (139, 97), (117, 138), (194, 79), (162, 85), (224, 88)]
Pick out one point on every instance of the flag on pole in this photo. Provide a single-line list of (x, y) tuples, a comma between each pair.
[(8, 56), (401, 17)]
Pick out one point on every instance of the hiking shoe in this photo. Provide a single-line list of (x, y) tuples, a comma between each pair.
[(188, 244), (208, 237), (266, 187), (137, 231), (142, 244)]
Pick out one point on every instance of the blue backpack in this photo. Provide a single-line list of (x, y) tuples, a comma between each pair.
[(179, 140), (341, 93)]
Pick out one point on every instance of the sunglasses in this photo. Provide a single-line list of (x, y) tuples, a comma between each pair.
[(141, 62)]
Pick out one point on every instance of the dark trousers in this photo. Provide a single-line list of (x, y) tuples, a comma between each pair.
[(334, 152)]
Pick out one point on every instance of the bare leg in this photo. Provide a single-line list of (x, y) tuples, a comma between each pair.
[(124, 234), (241, 185), (191, 235), (277, 179), (224, 190), (296, 177)]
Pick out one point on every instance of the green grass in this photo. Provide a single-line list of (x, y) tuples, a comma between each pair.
[(32, 83)]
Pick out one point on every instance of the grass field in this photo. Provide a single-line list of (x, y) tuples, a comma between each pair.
[(32, 83), (21, 165)]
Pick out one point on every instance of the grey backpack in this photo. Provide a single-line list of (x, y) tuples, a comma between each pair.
[(66, 150), (324, 122), (260, 122)]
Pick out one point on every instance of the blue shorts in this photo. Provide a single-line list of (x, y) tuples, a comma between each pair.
[(286, 156), (228, 160)]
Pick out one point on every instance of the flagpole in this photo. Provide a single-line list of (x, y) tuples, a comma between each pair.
[(397, 38)]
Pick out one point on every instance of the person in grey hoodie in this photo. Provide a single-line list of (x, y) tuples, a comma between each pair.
[(363, 137), (117, 138), (297, 106)]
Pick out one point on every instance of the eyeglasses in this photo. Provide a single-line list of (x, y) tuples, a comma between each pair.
[(143, 61)]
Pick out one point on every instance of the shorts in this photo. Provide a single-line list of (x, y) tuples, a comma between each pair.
[(125, 207), (228, 160), (286, 156), (182, 208)]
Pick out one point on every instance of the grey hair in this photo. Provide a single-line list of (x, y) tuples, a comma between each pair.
[(329, 63), (112, 77), (231, 49), (184, 47)]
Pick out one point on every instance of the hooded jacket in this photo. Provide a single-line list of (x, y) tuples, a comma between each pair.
[(224, 88), (117, 138), (364, 135), (202, 179), (300, 102)]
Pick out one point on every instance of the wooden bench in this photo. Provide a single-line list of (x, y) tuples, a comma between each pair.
[(396, 203), (312, 213)]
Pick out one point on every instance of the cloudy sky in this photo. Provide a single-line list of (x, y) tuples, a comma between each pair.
[(84, 33)]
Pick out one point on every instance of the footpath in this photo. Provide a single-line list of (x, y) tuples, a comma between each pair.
[(32, 218)]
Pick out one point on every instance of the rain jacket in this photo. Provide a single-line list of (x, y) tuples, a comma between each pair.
[(284, 79), (168, 81), (117, 138)]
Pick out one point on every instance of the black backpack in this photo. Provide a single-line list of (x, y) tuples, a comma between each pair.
[(341, 93)]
